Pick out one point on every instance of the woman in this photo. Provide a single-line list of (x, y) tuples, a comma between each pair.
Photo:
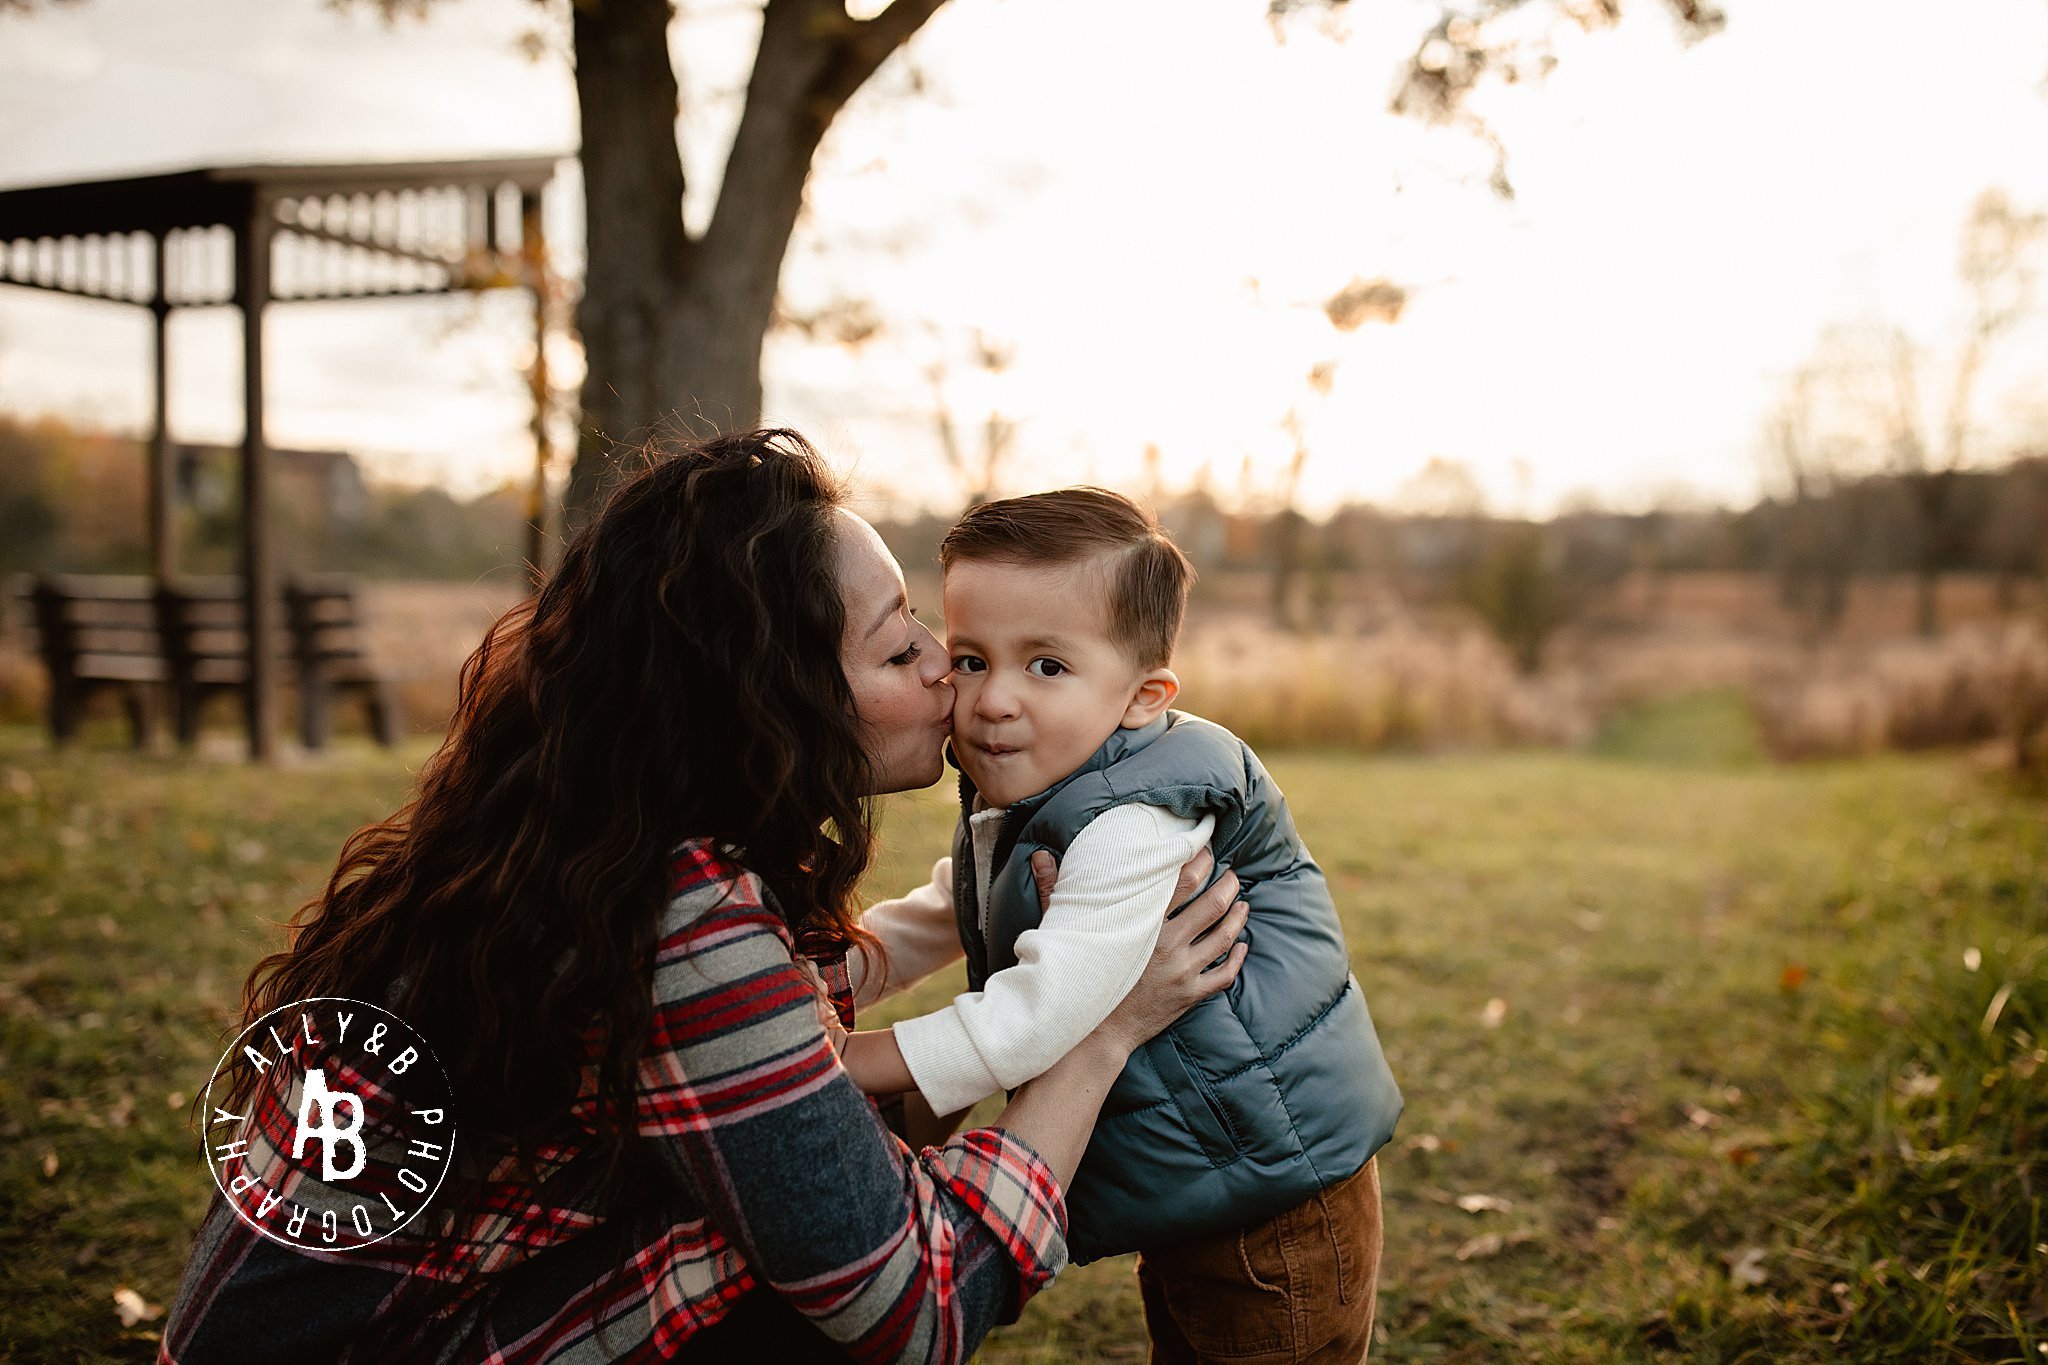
[(610, 910)]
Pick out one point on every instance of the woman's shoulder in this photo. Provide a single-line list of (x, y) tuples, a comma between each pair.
[(712, 891), (697, 864)]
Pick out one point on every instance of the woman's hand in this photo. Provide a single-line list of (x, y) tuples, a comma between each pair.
[(1188, 964)]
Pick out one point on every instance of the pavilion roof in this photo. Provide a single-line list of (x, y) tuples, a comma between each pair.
[(353, 229)]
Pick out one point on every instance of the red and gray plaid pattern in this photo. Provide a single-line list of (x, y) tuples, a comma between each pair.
[(777, 1172)]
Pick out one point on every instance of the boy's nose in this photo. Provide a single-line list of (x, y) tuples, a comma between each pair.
[(994, 701)]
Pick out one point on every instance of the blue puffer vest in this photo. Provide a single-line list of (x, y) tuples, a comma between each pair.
[(1259, 1096)]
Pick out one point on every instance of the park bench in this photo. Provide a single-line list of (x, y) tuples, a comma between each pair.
[(205, 643), (323, 617), (96, 633), (189, 641)]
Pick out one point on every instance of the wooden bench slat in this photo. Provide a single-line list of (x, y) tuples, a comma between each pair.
[(120, 667)]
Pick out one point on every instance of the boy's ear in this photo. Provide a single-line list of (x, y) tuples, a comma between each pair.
[(1155, 692)]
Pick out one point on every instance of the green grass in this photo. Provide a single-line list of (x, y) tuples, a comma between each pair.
[(1740, 1035), (1712, 728)]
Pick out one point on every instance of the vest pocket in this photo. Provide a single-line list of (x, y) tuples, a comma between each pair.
[(1197, 1107)]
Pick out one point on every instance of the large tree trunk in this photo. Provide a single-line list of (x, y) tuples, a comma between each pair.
[(672, 327), (636, 250)]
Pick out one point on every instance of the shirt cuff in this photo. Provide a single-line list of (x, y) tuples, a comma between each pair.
[(942, 1059), (1010, 1189)]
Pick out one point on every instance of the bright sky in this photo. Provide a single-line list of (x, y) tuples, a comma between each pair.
[(1144, 203)]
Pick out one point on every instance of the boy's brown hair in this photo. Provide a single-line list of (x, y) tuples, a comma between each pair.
[(1148, 575)]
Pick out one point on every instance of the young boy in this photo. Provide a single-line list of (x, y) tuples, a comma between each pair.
[(1235, 1152)]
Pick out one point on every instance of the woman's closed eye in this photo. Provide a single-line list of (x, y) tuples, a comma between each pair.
[(910, 655), (1045, 668)]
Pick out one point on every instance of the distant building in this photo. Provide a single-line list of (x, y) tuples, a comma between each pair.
[(325, 485)]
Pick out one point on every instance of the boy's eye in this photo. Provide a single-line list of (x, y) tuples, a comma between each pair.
[(1045, 668), (967, 663)]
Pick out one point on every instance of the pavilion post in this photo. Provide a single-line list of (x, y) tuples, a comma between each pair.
[(259, 576), (163, 549), (533, 245)]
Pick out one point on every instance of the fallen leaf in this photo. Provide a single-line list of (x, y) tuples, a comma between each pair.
[(1496, 1010), (49, 1165), (1972, 959), (1482, 1246), (1917, 1085), (1483, 1203), (122, 1113), (1792, 978), (132, 1308), (1425, 1142), (1700, 1118), (1492, 1244), (1746, 1267), (1739, 1155)]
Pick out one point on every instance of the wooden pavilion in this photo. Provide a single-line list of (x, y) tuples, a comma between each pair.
[(249, 237)]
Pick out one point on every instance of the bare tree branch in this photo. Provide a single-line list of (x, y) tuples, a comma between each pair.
[(865, 44), (1997, 266), (1464, 50)]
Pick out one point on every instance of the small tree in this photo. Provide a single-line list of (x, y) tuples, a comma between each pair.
[(1865, 391), (1809, 551), (980, 469), (1517, 591)]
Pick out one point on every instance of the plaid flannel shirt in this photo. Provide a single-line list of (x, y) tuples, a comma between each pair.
[(776, 1172)]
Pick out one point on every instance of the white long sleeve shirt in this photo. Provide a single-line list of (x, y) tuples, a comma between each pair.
[(1115, 886), (918, 933)]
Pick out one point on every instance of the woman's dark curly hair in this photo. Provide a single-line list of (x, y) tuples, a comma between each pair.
[(678, 676)]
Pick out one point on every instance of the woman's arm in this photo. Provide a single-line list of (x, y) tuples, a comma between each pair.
[(743, 1100), (875, 1062), (893, 1255)]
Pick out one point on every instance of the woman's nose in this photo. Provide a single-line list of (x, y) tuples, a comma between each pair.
[(938, 666)]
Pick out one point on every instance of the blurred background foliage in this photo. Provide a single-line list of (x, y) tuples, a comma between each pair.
[(1433, 623)]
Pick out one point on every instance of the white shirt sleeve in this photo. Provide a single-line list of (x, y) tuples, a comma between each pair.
[(918, 934), (1089, 949)]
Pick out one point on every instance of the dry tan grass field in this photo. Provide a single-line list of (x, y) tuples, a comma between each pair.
[(1376, 674)]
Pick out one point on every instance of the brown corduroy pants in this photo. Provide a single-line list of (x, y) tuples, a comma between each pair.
[(1299, 1287)]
